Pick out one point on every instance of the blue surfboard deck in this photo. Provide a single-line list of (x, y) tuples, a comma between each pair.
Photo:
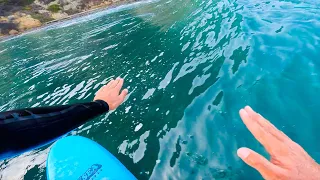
[(79, 158)]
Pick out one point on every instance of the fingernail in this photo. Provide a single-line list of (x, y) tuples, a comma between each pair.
[(118, 78), (243, 153), (243, 113), (249, 109)]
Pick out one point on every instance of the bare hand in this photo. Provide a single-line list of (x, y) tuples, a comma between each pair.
[(110, 93), (288, 161)]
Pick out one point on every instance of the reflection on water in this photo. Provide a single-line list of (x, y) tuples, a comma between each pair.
[(189, 66)]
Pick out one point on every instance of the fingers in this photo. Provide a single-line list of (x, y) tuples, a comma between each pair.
[(119, 85), (123, 94), (270, 128), (115, 83), (260, 133), (110, 93), (112, 83), (261, 164), (109, 84)]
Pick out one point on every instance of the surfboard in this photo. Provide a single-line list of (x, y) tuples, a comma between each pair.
[(79, 158)]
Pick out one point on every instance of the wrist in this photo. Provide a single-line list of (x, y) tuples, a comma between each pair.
[(103, 103)]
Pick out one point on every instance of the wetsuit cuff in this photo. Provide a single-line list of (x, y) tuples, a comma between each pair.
[(105, 104)]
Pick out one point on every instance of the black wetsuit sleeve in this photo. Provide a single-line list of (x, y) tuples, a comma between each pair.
[(24, 129)]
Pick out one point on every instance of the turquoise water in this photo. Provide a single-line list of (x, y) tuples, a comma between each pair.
[(189, 66)]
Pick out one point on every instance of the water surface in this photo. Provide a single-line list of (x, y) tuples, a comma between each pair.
[(190, 65)]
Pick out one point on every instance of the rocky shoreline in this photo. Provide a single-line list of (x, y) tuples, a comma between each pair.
[(17, 18)]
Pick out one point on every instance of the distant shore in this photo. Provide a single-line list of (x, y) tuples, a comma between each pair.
[(91, 11), (69, 17)]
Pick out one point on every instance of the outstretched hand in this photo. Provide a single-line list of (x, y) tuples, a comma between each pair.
[(110, 93), (288, 161)]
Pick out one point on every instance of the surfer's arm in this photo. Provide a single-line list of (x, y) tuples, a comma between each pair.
[(25, 129)]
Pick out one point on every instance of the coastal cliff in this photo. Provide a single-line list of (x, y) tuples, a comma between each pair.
[(17, 16)]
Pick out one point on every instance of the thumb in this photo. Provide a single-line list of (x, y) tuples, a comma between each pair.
[(258, 162)]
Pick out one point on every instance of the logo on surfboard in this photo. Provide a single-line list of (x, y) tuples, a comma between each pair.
[(92, 172)]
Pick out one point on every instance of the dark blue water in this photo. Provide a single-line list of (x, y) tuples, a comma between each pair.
[(189, 66)]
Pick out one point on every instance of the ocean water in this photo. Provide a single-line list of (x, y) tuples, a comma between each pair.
[(189, 65)]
